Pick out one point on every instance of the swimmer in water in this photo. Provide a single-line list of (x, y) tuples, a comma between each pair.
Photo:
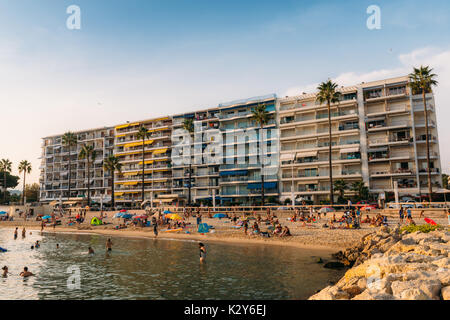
[(202, 249), (37, 244), (25, 273), (90, 250), (57, 246), (109, 244), (5, 272), (32, 247)]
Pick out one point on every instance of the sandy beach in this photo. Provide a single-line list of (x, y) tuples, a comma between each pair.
[(311, 236)]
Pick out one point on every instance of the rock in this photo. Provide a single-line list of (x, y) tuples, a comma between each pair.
[(416, 289), (368, 295), (330, 293), (443, 275), (334, 265), (319, 260), (352, 290), (442, 262), (445, 293)]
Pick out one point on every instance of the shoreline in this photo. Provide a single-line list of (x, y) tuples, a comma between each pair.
[(140, 234)]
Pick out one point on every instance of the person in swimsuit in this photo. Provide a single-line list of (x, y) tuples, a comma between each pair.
[(25, 273), (15, 234), (23, 232), (5, 272), (90, 250), (109, 244), (155, 228), (202, 249)]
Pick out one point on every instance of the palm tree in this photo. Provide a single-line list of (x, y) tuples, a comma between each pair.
[(5, 167), (327, 93), (188, 125), (361, 190), (421, 81), (340, 185), (143, 134), (261, 117), (25, 167), (87, 152), (112, 164), (69, 139)]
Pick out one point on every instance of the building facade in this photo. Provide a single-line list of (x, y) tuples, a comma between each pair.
[(54, 175), (378, 138)]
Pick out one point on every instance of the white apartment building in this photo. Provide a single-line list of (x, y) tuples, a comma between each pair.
[(54, 176), (378, 137)]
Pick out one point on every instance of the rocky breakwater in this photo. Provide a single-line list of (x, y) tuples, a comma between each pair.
[(394, 265)]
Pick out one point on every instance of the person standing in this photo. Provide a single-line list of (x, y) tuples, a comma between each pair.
[(15, 233), (23, 232), (202, 249), (401, 214), (109, 244), (155, 228)]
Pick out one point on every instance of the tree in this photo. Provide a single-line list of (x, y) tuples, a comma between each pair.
[(361, 190), (445, 181), (188, 125), (143, 134), (261, 117), (69, 139), (327, 93), (112, 164), (340, 186), (11, 183), (88, 153), (421, 81), (25, 167), (5, 167), (32, 192)]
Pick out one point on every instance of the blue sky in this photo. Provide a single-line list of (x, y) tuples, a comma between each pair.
[(137, 59)]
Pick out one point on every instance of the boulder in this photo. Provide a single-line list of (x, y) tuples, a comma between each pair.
[(330, 293), (445, 293), (416, 289), (369, 295)]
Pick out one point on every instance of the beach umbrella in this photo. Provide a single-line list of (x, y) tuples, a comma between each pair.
[(46, 217), (3, 212), (118, 215), (326, 209), (140, 217), (127, 216), (167, 211), (123, 210), (175, 217), (220, 215)]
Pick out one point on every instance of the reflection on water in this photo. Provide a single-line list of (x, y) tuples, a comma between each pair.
[(156, 269)]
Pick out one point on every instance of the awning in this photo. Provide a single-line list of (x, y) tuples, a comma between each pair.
[(71, 202), (127, 125), (168, 196), (306, 154), (132, 183), (234, 173), (165, 200), (350, 150), (267, 185), (147, 162), (135, 144), (287, 156), (159, 151), (118, 193), (54, 203)]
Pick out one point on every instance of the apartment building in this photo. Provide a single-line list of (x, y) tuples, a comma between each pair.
[(156, 163), (378, 134), (204, 175), (378, 137), (54, 175), (240, 173)]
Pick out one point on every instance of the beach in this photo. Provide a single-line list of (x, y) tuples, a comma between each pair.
[(311, 236)]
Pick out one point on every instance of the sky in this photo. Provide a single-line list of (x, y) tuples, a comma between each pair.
[(138, 59)]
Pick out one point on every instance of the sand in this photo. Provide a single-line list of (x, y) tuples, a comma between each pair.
[(312, 236)]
